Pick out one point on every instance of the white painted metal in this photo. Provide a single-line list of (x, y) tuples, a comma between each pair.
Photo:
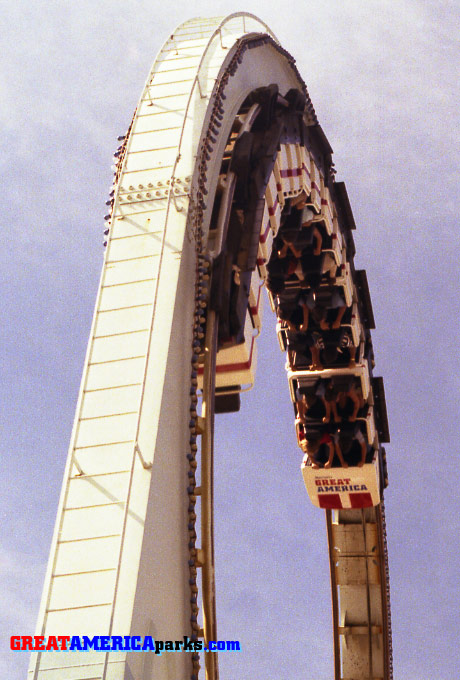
[(118, 562), (344, 280), (315, 196), (236, 365), (275, 198), (289, 170), (255, 301), (340, 486), (326, 207)]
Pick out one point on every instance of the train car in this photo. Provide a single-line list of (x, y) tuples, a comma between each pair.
[(338, 488), (303, 379), (236, 364), (292, 168)]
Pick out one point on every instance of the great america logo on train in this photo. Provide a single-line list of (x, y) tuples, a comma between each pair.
[(338, 485)]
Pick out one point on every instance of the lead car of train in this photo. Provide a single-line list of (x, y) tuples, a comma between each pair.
[(281, 219)]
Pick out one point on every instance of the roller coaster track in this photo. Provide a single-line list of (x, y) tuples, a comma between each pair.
[(359, 575), (161, 244)]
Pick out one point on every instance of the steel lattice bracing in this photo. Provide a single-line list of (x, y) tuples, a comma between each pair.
[(121, 558)]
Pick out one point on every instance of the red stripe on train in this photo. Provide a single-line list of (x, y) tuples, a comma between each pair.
[(330, 501), (227, 368), (272, 209), (291, 172), (263, 237), (361, 500)]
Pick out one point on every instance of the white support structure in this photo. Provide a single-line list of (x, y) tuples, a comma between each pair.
[(118, 562)]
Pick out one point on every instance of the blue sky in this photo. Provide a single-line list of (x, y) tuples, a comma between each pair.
[(382, 77)]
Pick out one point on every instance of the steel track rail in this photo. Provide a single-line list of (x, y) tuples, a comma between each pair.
[(206, 560), (385, 591), (368, 596), (371, 516), (207, 489), (334, 596)]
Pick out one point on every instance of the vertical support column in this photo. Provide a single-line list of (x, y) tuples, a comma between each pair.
[(207, 510)]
